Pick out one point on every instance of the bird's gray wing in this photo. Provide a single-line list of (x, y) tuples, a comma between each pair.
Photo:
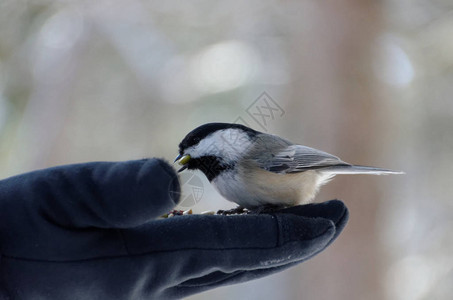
[(284, 158)]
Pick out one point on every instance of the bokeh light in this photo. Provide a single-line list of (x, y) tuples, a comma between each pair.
[(223, 66)]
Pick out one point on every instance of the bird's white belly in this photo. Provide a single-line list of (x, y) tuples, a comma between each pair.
[(264, 187)]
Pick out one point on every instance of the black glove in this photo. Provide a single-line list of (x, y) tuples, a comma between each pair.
[(89, 231)]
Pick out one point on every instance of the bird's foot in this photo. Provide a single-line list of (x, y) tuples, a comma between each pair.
[(234, 211), (265, 209)]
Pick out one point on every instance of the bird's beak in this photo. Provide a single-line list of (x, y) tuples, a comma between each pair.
[(182, 160)]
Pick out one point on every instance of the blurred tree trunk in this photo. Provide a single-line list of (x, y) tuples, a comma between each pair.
[(332, 61)]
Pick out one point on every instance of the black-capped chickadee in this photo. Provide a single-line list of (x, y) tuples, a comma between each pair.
[(256, 169)]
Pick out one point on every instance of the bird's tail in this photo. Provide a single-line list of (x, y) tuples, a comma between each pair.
[(352, 169)]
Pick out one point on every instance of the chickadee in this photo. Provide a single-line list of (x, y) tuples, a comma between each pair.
[(257, 169)]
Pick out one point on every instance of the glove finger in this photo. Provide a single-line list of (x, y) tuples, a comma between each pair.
[(60, 210), (98, 194), (201, 245), (230, 231), (334, 210), (222, 232)]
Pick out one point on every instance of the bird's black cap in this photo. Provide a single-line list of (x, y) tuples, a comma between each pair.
[(199, 133)]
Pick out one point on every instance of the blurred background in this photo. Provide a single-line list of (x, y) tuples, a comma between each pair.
[(369, 81)]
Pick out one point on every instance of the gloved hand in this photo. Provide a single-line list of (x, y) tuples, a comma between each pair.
[(89, 231)]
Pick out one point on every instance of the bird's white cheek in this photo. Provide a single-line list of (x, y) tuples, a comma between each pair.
[(228, 145)]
